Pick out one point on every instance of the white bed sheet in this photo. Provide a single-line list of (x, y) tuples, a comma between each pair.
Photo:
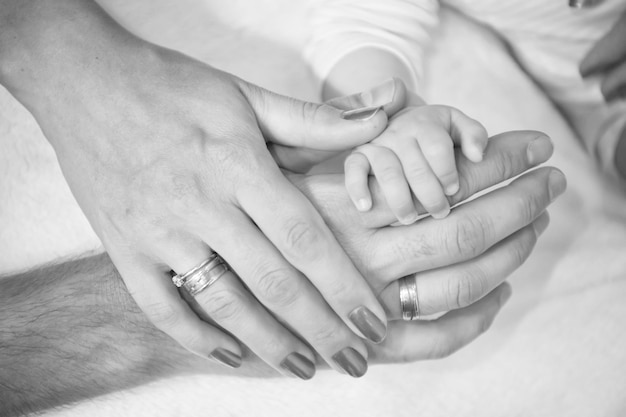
[(558, 347)]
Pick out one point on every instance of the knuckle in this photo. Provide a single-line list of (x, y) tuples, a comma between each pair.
[(438, 149), (327, 335), (278, 287), (410, 250), (224, 304), (530, 205), (303, 240), (390, 174), (416, 171), (163, 315), (467, 288), (521, 250), (470, 237)]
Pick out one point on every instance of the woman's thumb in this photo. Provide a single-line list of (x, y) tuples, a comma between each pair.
[(342, 124)]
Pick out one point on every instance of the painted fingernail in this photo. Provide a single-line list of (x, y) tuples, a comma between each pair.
[(542, 222), (370, 325), (539, 150), (351, 361), (298, 365), (556, 184), (226, 357), (363, 114)]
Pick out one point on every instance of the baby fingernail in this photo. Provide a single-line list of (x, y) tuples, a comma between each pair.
[(410, 219), (363, 114), (298, 365), (441, 214), (370, 325), (351, 361), (363, 204), (226, 357), (452, 189), (556, 184), (539, 150)]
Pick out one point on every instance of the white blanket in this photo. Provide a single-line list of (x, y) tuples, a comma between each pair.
[(557, 348)]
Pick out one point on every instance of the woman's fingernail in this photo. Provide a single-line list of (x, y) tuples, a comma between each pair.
[(539, 150), (226, 357), (351, 361), (370, 325), (298, 365), (383, 94), (556, 184), (363, 114), (542, 222)]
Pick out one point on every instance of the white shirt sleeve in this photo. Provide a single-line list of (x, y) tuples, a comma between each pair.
[(401, 27)]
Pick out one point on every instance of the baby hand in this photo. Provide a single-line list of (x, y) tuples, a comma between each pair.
[(415, 156)]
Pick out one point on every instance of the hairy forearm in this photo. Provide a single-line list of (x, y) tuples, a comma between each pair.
[(71, 331)]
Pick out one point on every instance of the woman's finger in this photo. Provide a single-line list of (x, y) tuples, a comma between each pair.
[(297, 230), (151, 287), (410, 341), (291, 122), (290, 297), (462, 284), (391, 95), (231, 306)]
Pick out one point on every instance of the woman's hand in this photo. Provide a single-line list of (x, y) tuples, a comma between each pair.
[(167, 157)]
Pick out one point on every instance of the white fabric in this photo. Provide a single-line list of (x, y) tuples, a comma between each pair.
[(547, 37), (559, 346)]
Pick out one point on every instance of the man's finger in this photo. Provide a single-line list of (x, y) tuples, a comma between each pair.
[(507, 155), (462, 284), (470, 229), (409, 341)]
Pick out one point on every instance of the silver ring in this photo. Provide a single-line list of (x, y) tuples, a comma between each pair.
[(202, 276), (409, 304)]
